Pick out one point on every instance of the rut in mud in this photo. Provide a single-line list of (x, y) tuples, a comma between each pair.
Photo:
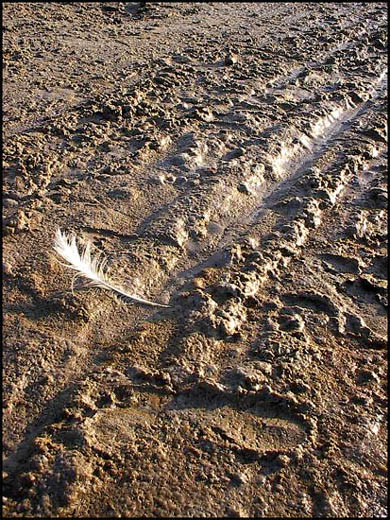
[(231, 161)]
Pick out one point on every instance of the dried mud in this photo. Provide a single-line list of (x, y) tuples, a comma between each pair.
[(231, 161)]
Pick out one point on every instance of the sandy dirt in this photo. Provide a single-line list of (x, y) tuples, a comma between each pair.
[(230, 160)]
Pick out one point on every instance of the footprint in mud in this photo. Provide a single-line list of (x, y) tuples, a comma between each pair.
[(341, 264), (366, 289), (342, 319), (105, 439), (201, 421), (248, 426), (313, 301)]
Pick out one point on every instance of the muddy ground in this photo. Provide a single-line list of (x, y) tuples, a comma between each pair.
[(230, 160)]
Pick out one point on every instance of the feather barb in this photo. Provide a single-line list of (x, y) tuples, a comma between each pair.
[(91, 267)]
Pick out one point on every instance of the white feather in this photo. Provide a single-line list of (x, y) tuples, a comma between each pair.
[(89, 267)]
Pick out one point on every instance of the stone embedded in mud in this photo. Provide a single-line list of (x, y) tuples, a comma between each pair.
[(199, 283), (282, 460)]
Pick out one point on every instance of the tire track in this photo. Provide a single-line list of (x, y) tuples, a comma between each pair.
[(290, 164)]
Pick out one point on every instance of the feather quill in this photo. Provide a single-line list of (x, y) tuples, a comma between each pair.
[(91, 267)]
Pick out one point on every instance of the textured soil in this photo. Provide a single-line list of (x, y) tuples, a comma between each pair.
[(230, 160)]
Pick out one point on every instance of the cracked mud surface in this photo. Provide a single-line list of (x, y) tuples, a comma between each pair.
[(230, 160)]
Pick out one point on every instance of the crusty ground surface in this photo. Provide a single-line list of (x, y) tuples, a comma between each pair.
[(230, 160)]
